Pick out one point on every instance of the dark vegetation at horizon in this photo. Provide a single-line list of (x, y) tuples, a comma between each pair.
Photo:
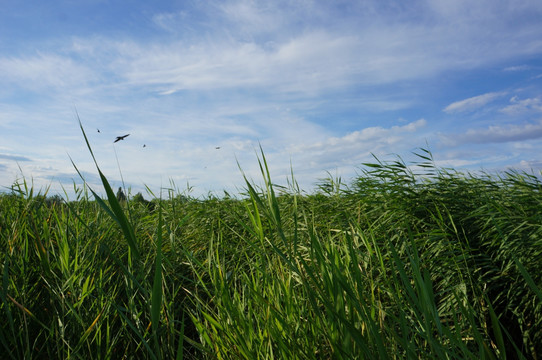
[(436, 265)]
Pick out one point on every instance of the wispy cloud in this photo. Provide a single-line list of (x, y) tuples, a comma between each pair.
[(472, 103), (497, 134), (517, 68), (44, 71), (285, 47), (518, 106), (14, 157), (311, 63), (528, 165)]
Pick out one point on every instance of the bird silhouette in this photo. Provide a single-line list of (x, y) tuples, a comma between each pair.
[(98, 130), (119, 138)]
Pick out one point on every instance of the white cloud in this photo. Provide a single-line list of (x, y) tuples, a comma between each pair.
[(496, 134), (352, 147), (455, 163), (517, 68), (45, 71), (13, 157), (312, 63), (518, 106), (472, 103), (253, 18), (170, 21), (528, 165)]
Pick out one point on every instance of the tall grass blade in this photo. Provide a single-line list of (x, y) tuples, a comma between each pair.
[(116, 208), (156, 299), (528, 279)]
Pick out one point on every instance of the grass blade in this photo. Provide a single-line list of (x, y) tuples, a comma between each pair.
[(156, 299)]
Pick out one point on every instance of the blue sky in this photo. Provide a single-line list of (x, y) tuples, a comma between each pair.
[(321, 85)]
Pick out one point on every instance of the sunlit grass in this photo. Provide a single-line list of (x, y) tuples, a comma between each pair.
[(395, 264)]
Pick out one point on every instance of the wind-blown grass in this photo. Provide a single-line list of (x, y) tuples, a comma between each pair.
[(438, 264)]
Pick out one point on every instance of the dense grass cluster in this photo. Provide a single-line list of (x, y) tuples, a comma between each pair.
[(438, 264)]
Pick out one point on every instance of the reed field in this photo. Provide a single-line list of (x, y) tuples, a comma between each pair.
[(408, 261)]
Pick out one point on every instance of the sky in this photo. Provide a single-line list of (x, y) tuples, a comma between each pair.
[(320, 86)]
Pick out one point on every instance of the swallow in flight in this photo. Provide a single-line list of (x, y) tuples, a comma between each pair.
[(119, 138)]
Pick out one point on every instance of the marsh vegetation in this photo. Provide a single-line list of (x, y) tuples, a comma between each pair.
[(396, 264)]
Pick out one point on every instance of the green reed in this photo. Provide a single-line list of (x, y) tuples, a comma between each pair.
[(406, 261)]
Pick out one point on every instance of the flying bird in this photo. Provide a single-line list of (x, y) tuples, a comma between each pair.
[(98, 130), (119, 138)]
